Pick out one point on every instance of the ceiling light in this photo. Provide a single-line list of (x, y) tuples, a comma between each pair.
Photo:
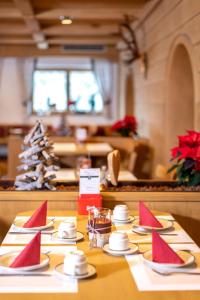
[(42, 45), (65, 20)]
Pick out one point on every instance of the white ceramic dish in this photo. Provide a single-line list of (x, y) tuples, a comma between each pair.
[(131, 250), (186, 256), (121, 212), (18, 226), (165, 223), (59, 270), (118, 241), (79, 236), (129, 220), (7, 258)]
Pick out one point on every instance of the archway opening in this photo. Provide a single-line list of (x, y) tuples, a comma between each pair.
[(181, 96)]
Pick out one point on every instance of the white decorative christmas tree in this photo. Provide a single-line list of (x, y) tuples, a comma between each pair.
[(37, 159)]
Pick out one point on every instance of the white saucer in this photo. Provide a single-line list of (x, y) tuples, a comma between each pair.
[(165, 223), (91, 271), (144, 232), (186, 256), (18, 225), (79, 236), (133, 248), (127, 221), (7, 258)]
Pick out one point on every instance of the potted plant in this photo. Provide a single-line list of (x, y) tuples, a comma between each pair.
[(187, 158), (126, 127)]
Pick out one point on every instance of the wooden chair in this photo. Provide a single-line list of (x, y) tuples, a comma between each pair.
[(144, 162), (161, 172)]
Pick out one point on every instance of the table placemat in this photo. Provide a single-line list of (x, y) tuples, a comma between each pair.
[(181, 236), (147, 280), (39, 283), (14, 237)]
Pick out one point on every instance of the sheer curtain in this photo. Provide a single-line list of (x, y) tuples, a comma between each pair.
[(1, 69), (26, 67), (104, 71)]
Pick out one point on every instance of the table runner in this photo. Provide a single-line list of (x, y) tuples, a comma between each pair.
[(39, 284), (46, 238), (148, 280)]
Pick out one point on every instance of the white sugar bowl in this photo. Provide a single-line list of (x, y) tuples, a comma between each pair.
[(75, 263), (118, 241), (67, 230), (121, 212)]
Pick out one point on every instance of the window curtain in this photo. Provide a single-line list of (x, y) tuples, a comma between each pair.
[(104, 71), (1, 69), (26, 67)]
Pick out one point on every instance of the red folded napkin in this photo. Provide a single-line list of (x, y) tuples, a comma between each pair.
[(162, 252), (38, 218), (146, 218), (30, 255)]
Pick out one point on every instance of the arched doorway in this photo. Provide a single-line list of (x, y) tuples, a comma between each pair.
[(180, 104)]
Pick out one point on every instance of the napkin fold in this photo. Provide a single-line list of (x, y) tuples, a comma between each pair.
[(146, 218), (30, 255), (162, 252), (38, 218)]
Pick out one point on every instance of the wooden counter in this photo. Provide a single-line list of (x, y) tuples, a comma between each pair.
[(184, 205)]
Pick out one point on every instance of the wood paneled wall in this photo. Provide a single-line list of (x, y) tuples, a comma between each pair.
[(167, 25)]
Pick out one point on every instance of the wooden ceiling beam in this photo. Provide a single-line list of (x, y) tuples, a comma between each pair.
[(31, 22), (95, 5), (30, 51), (82, 40), (86, 13), (16, 41), (7, 10), (76, 29), (14, 29)]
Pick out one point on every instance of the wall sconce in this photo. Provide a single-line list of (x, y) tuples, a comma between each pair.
[(65, 20)]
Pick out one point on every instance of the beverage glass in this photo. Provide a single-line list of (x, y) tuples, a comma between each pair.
[(99, 226)]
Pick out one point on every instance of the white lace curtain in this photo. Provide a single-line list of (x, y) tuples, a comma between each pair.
[(26, 67), (104, 71), (1, 69)]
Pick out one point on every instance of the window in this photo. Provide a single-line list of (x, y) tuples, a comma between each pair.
[(75, 91)]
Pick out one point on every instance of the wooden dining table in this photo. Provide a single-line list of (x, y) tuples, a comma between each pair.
[(69, 175), (113, 280), (76, 149)]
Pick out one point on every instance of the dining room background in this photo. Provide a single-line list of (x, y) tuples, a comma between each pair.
[(171, 46)]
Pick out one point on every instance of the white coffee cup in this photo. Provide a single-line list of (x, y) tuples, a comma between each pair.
[(75, 263), (67, 230), (121, 212), (118, 241)]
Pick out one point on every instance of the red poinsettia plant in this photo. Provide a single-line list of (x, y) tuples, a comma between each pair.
[(187, 157), (126, 126)]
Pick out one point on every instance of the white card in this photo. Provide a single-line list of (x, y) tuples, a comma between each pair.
[(89, 181)]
